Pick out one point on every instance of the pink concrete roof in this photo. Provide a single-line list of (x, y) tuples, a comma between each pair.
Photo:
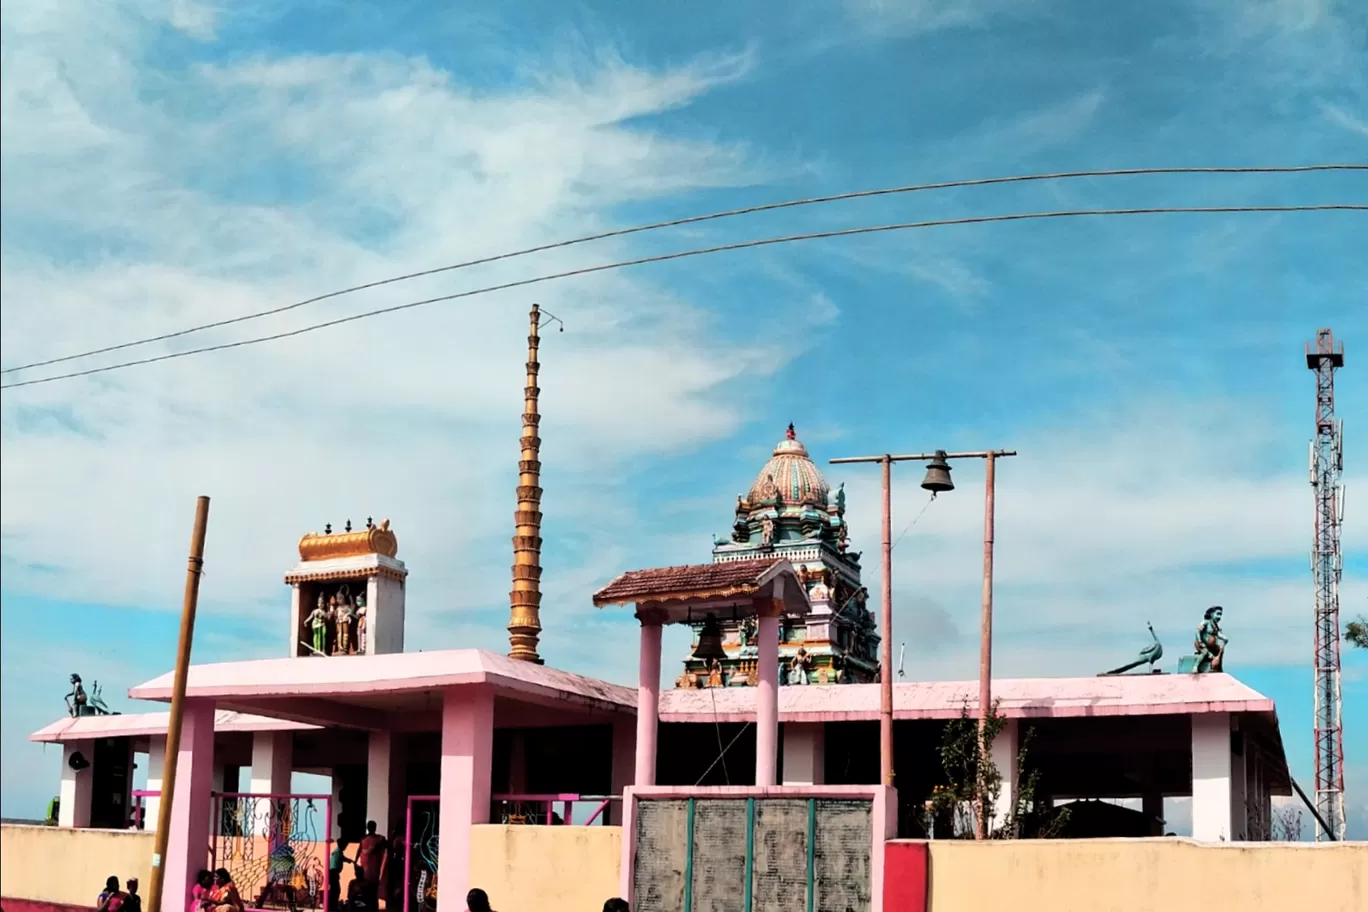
[(133, 725), (1119, 695), (406, 672)]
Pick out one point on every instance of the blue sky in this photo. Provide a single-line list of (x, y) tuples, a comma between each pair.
[(167, 164)]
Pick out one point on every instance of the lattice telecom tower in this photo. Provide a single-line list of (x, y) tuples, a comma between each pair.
[(1327, 466)]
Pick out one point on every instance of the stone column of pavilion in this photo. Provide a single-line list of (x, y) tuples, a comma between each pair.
[(524, 625)]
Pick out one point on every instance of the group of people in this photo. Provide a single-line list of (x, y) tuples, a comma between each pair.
[(112, 899), (214, 891), (371, 867), (478, 901)]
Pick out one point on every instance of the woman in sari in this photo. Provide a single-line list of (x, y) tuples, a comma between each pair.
[(224, 897)]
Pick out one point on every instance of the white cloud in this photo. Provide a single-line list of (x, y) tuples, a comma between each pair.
[(1105, 522), (918, 16), (142, 203)]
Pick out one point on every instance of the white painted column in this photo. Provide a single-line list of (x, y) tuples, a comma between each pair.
[(1003, 753), (297, 615), (272, 762), (1152, 806), (156, 762), (74, 796), (335, 824), (804, 753), (385, 794), (1211, 765)]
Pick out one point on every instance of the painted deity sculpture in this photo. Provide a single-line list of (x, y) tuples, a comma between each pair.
[(1209, 645), (77, 700), (345, 617), (362, 624), (318, 627)]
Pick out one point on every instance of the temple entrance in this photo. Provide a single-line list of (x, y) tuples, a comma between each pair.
[(275, 847), (420, 854)]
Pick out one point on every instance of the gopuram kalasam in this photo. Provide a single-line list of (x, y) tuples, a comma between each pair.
[(791, 512)]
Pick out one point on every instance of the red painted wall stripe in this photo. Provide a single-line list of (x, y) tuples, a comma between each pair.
[(10, 904), (906, 872)]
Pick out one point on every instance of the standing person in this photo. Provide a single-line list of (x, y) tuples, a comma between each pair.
[(477, 900), (132, 901), (111, 899), (335, 864), (371, 857), (616, 904)]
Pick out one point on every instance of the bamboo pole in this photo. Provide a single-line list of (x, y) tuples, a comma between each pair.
[(194, 568)]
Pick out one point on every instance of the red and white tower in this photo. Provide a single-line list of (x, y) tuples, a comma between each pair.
[(1327, 466)]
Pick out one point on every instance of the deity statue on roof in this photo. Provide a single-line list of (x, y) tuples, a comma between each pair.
[(344, 617), (361, 623), (317, 622), (1209, 645)]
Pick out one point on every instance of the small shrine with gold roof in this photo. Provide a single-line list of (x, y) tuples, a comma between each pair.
[(348, 593), (791, 512)]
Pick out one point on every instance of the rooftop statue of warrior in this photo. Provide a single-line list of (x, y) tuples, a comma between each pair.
[(1209, 645), (77, 700)]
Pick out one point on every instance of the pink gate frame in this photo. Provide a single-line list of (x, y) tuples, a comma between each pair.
[(326, 841)]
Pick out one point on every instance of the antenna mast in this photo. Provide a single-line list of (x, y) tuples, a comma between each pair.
[(524, 623), (1327, 564)]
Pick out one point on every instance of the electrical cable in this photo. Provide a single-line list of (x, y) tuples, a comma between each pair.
[(664, 257), (688, 220), (906, 528)]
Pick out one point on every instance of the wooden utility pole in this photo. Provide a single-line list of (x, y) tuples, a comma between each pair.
[(193, 570)]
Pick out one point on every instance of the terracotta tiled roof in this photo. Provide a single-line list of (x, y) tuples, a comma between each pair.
[(697, 581)]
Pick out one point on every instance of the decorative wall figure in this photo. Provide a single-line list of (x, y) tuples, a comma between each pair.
[(798, 668), (317, 623), (361, 623), (345, 617), (766, 532), (714, 673)]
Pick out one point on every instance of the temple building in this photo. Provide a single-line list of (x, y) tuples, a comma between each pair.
[(791, 513), (464, 749)]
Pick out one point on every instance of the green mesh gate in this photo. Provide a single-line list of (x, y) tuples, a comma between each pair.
[(752, 855)]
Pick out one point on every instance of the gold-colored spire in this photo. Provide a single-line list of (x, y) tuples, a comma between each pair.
[(524, 623)]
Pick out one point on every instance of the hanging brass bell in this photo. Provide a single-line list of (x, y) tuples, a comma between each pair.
[(710, 641), (937, 478)]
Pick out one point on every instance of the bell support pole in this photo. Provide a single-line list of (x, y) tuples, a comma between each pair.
[(937, 481)]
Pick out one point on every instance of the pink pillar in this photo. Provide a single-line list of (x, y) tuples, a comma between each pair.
[(767, 701), (187, 848), (648, 703), (467, 749)]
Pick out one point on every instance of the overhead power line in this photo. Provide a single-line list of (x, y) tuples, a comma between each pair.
[(674, 223), (660, 258)]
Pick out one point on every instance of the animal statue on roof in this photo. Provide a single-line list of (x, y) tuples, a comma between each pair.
[(1149, 655)]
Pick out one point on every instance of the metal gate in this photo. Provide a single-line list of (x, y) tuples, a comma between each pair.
[(275, 846), (420, 853), (752, 855)]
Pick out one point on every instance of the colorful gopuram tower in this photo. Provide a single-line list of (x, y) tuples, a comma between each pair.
[(791, 512)]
